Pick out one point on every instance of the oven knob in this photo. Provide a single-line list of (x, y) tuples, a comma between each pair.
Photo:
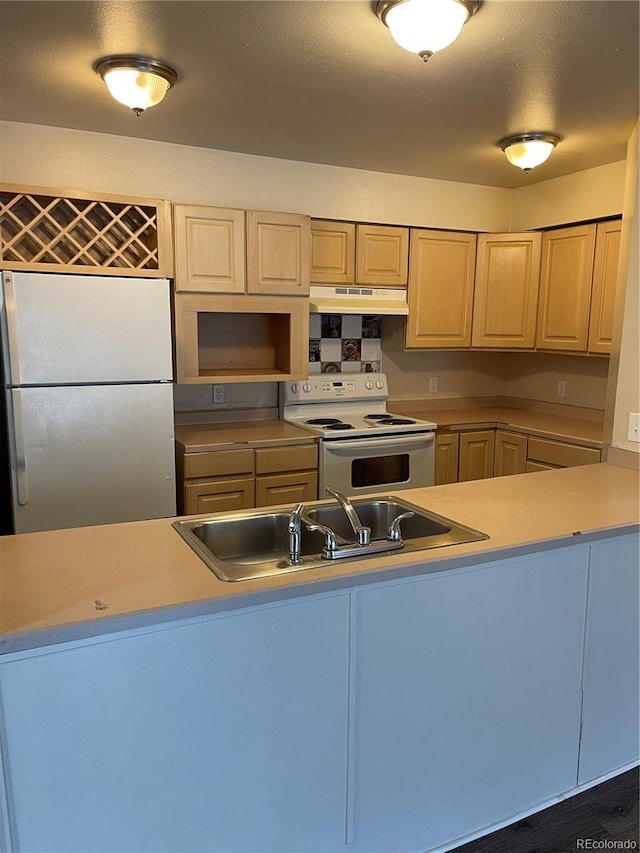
[(368, 385), (306, 387), (295, 387), (379, 383)]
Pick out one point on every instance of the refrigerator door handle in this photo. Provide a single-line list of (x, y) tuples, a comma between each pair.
[(12, 360), (19, 454)]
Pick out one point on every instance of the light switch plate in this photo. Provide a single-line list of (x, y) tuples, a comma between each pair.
[(634, 426)]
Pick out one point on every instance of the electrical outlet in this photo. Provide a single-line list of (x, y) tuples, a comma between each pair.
[(634, 426), (562, 388), (218, 395), (433, 384)]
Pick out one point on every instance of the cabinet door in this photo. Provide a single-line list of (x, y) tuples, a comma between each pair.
[(382, 255), (565, 288), (221, 734), (447, 449), (333, 252), (476, 455), (506, 290), (605, 278), (440, 289), (510, 453), (297, 487), (278, 250), (209, 249), (467, 698), (218, 496), (611, 708)]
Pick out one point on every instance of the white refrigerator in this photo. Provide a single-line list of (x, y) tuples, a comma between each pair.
[(88, 399)]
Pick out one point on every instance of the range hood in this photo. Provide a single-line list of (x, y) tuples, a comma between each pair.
[(324, 299)]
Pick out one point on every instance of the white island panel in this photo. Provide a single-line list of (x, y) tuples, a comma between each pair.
[(224, 735), (611, 713), (467, 699)]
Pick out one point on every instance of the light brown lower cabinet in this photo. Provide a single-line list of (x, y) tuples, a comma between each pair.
[(510, 453), (498, 453), (218, 496), (476, 455), (548, 453), (287, 474), (447, 452), (228, 480)]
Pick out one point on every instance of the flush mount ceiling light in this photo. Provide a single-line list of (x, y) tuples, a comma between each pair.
[(529, 150), (135, 81), (425, 26)]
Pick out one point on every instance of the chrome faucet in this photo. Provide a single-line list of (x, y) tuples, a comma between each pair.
[(294, 527), (362, 533)]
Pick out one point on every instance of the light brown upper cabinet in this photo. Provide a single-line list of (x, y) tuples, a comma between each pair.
[(278, 248), (506, 290), (605, 276), (209, 249), (333, 252), (565, 288), (223, 250), (382, 255), (240, 338), (441, 272), (359, 254)]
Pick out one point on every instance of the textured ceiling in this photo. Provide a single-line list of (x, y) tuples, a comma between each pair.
[(322, 81)]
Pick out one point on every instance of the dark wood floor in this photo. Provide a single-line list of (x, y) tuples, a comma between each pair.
[(608, 812)]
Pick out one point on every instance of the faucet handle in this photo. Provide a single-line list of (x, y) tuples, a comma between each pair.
[(331, 542), (363, 535), (394, 534), (295, 519)]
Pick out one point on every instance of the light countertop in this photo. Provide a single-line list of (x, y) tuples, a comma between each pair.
[(196, 438), (66, 584), (553, 426)]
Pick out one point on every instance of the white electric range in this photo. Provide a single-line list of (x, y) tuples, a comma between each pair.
[(363, 448)]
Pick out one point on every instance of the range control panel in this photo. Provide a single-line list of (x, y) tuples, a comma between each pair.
[(358, 387)]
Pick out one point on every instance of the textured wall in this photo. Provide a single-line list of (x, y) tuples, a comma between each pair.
[(59, 157)]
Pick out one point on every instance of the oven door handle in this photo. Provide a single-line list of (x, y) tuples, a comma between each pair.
[(414, 442)]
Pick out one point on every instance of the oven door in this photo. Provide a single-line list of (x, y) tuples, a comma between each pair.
[(365, 466)]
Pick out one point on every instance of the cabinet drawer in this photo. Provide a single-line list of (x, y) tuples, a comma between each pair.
[(218, 496), (286, 488), (297, 457), (559, 454), (217, 463), (532, 467)]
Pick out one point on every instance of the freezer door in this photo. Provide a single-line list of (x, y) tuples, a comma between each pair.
[(63, 329), (85, 455)]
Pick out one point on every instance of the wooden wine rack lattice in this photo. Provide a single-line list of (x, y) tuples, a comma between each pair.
[(46, 231)]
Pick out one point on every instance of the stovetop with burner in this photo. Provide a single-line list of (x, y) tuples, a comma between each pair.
[(350, 407)]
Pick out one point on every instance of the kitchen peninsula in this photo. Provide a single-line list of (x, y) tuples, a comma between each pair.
[(391, 703)]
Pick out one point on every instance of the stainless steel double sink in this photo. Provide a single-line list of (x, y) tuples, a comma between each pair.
[(251, 544)]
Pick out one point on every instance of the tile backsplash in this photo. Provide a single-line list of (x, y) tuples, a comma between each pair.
[(344, 343)]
